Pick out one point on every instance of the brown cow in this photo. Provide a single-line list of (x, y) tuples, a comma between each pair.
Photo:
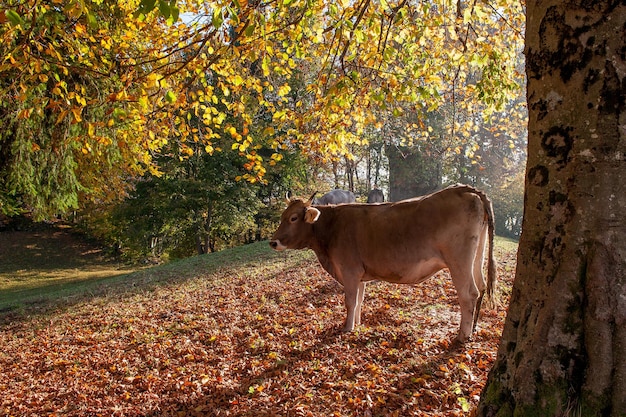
[(404, 243)]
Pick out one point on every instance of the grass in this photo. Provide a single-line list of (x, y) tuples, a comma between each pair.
[(56, 281), (49, 260)]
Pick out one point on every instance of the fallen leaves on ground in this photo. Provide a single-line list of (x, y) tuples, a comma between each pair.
[(257, 341)]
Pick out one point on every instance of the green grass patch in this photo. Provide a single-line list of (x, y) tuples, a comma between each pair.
[(505, 244), (45, 288)]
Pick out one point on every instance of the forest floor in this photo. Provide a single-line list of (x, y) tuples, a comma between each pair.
[(243, 332)]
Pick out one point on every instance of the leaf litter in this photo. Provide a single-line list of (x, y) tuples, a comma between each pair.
[(257, 340)]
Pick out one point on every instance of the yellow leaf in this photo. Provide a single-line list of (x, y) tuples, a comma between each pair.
[(61, 116), (237, 80), (25, 114), (76, 111), (284, 90)]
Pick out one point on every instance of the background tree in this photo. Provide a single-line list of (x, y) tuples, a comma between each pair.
[(563, 346)]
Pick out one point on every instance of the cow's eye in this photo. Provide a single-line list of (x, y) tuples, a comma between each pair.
[(293, 218)]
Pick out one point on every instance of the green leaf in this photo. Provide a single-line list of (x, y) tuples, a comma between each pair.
[(148, 5), (218, 19), (119, 113), (145, 7), (174, 13), (164, 8), (170, 97), (249, 29), (14, 17), (92, 21), (233, 15)]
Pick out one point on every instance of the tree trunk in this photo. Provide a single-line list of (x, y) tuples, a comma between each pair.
[(563, 349)]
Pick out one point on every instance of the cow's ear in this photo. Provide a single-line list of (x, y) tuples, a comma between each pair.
[(311, 215)]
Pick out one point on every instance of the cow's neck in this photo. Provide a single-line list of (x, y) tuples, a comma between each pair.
[(321, 241)]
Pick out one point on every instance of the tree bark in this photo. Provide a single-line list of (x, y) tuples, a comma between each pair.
[(563, 348)]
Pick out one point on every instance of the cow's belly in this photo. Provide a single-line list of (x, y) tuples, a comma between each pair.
[(410, 273)]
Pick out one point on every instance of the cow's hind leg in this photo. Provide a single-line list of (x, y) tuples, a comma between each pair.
[(477, 310), (351, 296), (463, 279)]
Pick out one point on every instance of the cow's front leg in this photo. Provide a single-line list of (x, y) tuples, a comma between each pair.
[(359, 303), (351, 294)]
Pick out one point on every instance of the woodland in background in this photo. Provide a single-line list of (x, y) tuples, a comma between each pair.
[(173, 128), (197, 206)]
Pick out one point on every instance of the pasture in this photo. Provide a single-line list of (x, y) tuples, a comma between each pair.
[(242, 332)]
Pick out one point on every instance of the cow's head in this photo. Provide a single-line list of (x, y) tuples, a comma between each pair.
[(295, 227)]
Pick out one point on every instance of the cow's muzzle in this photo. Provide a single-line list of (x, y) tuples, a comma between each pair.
[(276, 245)]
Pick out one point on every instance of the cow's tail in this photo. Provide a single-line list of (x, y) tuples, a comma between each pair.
[(491, 262)]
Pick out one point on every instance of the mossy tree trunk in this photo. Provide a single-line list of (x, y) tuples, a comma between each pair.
[(563, 349)]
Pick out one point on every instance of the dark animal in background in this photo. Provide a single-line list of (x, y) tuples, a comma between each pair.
[(404, 243), (335, 197), (376, 196)]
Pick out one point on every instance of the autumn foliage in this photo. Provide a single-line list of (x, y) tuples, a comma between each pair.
[(255, 334), (94, 90)]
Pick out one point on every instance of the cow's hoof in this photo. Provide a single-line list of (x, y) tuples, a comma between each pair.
[(458, 343), (347, 329)]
